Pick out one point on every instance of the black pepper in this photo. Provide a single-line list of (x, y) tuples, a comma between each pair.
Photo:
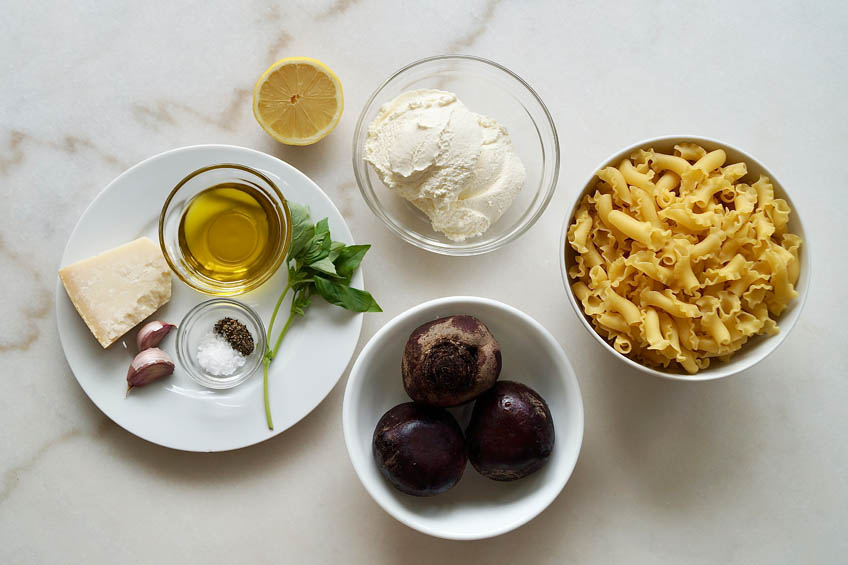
[(236, 334)]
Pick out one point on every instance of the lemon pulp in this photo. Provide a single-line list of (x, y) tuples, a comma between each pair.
[(298, 100)]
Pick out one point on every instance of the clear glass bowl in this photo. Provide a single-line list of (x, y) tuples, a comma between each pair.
[(199, 322), (486, 88), (176, 205)]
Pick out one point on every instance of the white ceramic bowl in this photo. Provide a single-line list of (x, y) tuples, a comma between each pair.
[(757, 348), (486, 88), (476, 507)]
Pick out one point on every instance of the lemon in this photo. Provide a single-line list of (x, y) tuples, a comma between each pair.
[(298, 100)]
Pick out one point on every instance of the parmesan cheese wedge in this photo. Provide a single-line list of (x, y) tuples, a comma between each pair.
[(117, 289)]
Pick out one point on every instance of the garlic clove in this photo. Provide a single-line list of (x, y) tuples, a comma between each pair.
[(152, 333), (149, 365)]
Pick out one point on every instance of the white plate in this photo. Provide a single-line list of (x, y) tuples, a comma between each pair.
[(175, 412)]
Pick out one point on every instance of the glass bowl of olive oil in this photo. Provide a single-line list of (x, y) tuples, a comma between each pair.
[(225, 229)]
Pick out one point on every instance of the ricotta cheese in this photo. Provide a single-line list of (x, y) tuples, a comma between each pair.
[(456, 166)]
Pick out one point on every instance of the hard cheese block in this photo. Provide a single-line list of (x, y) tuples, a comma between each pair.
[(117, 289)]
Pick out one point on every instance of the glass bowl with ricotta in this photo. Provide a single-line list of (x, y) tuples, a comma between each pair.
[(456, 154), (212, 353)]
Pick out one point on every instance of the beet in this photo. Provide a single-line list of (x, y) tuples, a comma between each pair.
[(511, 432), (450, 361), (419, 449)]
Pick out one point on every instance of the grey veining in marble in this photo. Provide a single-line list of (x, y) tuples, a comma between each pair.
[(751, 469)]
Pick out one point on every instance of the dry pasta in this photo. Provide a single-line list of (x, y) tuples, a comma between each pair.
[(677, 262)]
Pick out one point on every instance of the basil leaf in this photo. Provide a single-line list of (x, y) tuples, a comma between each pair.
[(323, 227), (325, 266), (302, 230), (316, 264), (342, 295), (297, 278), (319, 246), (299, 212), (300, 302), (349, 259), (335, 248)]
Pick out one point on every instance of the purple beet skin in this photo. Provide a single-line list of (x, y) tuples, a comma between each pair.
[(419, 449), (450, 361), (511, 433)]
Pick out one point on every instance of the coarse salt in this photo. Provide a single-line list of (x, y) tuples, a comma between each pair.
[(217, 357)]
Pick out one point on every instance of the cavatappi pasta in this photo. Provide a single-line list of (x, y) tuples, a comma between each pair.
[(677, 262)]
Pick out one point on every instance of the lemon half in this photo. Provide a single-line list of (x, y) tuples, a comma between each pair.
[(298, 100)]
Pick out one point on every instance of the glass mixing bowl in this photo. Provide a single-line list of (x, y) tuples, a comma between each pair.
[(178, 202), (486, 88)]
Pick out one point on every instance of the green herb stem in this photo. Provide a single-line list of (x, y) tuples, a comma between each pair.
[(317, 265), (282, 335), (269, 356), (267, 363), (277, 309)]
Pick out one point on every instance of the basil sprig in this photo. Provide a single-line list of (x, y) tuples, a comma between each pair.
[(316, 265)]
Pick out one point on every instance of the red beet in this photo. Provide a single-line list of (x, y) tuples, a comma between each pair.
[(419, 449), (450, 361), (511, 432)]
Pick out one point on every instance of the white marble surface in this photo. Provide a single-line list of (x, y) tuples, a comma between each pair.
[(751, 469)]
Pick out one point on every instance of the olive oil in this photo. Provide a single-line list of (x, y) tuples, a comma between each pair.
[(230, 233)]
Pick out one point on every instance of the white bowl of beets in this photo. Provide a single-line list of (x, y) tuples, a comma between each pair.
[(463, 418)]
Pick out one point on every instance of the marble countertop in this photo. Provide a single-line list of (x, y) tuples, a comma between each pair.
[(750, 469)]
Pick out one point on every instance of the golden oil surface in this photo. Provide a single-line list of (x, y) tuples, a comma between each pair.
[(229, 232)]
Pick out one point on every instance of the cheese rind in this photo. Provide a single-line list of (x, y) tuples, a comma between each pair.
[(117, 289)]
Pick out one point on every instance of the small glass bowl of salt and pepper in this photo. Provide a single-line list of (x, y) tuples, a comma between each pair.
[(221, 343)]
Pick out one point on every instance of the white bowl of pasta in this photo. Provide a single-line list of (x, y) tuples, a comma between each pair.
[(685, 258)]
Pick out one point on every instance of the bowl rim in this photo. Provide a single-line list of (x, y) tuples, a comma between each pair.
[(282, 206), (356, 378), (445, 248), (723, 370)]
